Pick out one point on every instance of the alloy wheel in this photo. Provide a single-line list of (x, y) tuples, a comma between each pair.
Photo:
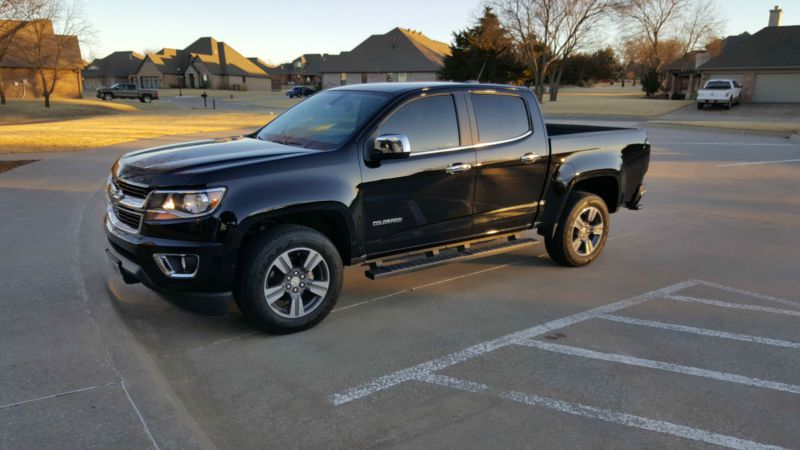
[(296, 283), (587, 231)]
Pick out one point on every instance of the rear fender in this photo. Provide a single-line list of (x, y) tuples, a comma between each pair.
[(570, 172)]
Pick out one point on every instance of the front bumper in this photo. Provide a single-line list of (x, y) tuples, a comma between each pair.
[(132, 256)]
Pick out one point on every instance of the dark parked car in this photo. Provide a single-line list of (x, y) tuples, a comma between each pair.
[(300, 91), (127, 90), (401, 176)]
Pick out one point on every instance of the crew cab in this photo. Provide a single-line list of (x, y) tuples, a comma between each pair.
[(127, 90), (719, 92), (395, 176)]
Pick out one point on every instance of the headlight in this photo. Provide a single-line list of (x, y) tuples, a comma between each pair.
[(169, 205)]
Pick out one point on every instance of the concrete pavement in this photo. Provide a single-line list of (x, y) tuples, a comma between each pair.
[(697, 347)]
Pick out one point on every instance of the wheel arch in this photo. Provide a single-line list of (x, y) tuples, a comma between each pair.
[(332, 219)]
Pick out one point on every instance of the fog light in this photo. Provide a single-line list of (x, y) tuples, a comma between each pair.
[(177, 265)]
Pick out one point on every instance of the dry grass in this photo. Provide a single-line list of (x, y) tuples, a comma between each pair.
[(33, 110), (101, 131), (769, 127), (5, 166), (596, 104)]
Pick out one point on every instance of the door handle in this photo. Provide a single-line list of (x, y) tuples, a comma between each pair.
[(528, 158), (458, 168)]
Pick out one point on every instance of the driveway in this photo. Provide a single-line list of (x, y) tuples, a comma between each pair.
[(683, 334)]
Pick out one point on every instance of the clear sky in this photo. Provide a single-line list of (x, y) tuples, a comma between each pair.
[(279, 31)]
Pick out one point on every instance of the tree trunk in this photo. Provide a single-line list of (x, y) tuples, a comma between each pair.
[(2, 94), (555, 82), (46, 99)]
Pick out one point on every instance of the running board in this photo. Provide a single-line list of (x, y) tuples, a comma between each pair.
[(448, 255)]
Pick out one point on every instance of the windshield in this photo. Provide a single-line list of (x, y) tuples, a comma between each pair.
[(718, 85), (324, 121)]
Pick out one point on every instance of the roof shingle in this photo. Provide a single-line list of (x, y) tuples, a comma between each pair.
[(772, 47)]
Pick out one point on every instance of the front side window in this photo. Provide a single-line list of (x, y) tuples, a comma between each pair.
[(324, 121), (430, 123), (500, 117)]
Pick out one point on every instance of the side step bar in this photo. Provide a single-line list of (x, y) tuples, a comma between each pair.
[(446, 255)]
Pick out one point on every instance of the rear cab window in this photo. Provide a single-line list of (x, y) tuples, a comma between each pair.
[(500, 117), (429, 122)]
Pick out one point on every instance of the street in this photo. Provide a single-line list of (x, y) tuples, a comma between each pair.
[(684, 333)]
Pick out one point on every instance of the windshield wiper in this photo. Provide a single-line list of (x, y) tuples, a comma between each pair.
[(287, 142)]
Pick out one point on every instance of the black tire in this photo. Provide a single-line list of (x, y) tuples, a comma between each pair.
[(700, 106), (560, 245), (729, 105), (147, 99), (252, 275), (108, 97)]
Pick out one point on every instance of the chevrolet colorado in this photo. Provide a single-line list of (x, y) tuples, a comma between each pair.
[(399, 176)]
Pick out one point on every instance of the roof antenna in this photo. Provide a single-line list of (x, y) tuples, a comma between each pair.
[(481, 72)]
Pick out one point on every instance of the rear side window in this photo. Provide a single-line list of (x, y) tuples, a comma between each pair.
[(430, 123), (500, 117)]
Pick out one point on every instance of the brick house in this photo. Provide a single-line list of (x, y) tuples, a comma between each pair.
[(21, 78), (399, 55), (118, 67), (766, 64), (205, 64)]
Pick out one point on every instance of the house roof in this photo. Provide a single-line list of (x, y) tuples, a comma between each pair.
[(116, 65), (690, 62), (775, 47), (218, 57), (399, 50), (15, 56), (170, 60), (221, 59)]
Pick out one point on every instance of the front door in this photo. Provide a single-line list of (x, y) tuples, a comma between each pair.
[(512, 162), (425, 198)]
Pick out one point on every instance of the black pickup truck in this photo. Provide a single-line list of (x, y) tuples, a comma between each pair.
[(395, 176)]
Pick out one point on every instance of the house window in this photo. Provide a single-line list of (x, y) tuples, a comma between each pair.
[(391, 77), (343, 79), (363, 77), (402, 77), (244, 79)]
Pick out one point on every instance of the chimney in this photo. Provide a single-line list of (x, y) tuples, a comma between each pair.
[(775, 16)]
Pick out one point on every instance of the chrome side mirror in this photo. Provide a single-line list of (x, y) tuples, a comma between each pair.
[(392, 146)]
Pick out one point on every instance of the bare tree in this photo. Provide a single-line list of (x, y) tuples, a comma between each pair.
[(548, 32), (700, 25), (13, 15), (48, 51), (652, 20)]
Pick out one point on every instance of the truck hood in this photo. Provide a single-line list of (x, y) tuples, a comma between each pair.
[(198, 157)]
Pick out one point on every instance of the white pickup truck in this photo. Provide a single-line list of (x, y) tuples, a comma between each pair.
[(719, 92)]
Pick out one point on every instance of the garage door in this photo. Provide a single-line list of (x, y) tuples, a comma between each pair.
[(777, 87)]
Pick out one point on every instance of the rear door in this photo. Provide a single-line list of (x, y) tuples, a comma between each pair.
[(512, 158), (427, 197)]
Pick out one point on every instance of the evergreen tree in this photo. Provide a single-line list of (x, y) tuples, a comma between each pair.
[(484, 52)]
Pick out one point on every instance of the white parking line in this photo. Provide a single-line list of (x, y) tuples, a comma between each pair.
[(454, 383), (661, 365), (421, 370), (759, 163), (743, 306), (701, 331), (605, 415), (629, 420), (749, 293)]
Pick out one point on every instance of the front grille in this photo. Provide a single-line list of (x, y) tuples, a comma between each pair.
[(132, 190), (127, 216)]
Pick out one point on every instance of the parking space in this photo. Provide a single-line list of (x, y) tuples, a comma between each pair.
[(629, 360)]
